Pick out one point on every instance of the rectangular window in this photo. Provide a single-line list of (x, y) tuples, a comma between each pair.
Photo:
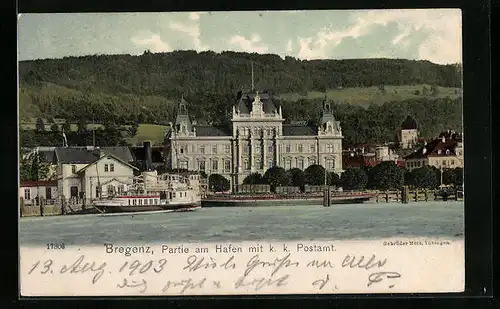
[(300, 164), (258, 164), (246, 149), (215, 165), (201, 166), (288, 164), (181, 150), (129, 202), (270, 163), (214, 149), (140, 201), (173, 194), (270, 149), (134, 201), (227, 166), (312, 161), (299, 148), (257, 148), (452, 162), (157, 201), (106, 168), (287, 148), (121, 189), (329, 148), (111, 167), (444, 163), (246, 164), (27, 195), (227, 149), (330, 164), (313, 148), (111, 189), (145, 201), (202, 149), (183, 164), (73, 169)]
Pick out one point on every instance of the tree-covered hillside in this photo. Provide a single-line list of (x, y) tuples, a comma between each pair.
[(371, 96), (188, 72)]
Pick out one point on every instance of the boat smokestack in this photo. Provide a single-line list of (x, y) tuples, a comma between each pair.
[(147, 156)]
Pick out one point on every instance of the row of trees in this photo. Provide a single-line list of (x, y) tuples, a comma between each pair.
[(33, 167), (384, 176), (375, 124), (108, 136)]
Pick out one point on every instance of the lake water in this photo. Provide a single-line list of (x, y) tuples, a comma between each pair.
[(285, 223)]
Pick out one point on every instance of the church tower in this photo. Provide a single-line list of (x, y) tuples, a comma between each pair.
[(183, 124)]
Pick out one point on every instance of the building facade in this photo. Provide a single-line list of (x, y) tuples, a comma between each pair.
[(444, 152), (80, 171), (254, 140), (30, 191)]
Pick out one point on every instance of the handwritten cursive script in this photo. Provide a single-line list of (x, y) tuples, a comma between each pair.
[(276, 265), (79, 266), (378, 277), (133, 284)]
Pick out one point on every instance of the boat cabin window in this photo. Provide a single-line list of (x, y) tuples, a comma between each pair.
[(129, 202), (145, 201), (156, 201), (151, 201), (134, 202), (140, 201)]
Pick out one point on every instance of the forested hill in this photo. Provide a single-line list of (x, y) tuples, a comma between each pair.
[(188, 72)]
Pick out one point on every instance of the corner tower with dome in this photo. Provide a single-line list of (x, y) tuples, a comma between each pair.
[(254, 140)]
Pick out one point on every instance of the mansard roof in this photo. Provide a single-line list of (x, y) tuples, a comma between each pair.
[(299, 130), (206, 130), (245, 98)]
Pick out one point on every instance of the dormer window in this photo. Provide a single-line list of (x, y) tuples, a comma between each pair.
[(439, 151), (73, 169), (447, 151)]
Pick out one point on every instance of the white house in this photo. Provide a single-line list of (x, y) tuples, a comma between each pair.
[(109, 173), (81, 170), (30, 190)]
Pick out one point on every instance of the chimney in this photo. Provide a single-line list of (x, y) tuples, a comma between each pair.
[(147, 156)]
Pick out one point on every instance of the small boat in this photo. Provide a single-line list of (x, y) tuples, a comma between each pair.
[(151, 192)]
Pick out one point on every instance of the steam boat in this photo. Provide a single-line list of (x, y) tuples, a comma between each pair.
[(153, 192), (170, 192)]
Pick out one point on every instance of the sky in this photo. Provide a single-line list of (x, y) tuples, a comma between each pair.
[(427, 34)]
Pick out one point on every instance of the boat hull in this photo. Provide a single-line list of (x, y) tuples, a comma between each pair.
[(146, 208), (282, 200)]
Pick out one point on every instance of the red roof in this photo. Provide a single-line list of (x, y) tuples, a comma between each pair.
[(400, 163), (40, 183)]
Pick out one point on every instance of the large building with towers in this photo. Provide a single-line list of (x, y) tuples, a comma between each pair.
[(254, 140)]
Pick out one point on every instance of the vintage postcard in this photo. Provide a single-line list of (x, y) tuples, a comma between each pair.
[(241, 153)]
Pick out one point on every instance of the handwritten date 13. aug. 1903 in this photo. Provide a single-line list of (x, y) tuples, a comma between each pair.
[(282, 271)]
